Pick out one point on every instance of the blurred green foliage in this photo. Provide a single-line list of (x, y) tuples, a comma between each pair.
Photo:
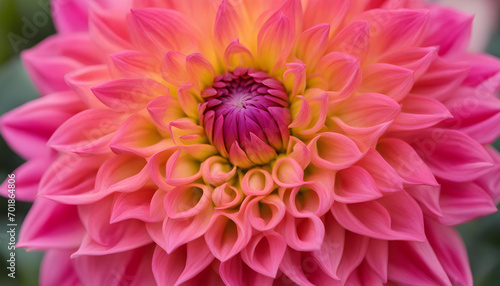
[(482, 237)]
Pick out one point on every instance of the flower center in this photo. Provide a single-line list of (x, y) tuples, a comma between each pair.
[(246, 116)]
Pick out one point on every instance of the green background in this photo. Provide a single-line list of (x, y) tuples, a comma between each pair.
[(482, 236)]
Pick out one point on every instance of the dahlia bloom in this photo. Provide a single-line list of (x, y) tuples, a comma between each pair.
[(256, 142)]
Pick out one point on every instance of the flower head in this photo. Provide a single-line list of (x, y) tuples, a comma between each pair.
[(256, 143)]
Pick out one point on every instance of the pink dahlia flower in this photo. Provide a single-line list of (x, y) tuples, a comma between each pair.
[(256, 142)]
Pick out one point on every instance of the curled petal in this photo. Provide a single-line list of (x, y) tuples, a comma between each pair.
[(183, 264), (265, 213), (187, 201), (311, 197), (186, 229), (228, 23), (257, 182), (217, 170), (298, 151), (295, 78), (227, 235), (334, 151), (303, 233), (226, 196), (288, 173), (264, 253)]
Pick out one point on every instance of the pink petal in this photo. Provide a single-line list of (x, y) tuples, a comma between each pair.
[(82, 80), (441, 79), (183, 264), (361, 189), (130, 267), (134, 205), (394, 29), (226, 196), (334, 151), (108, 28), (377, 256), (227, 235), (66, 274), (157, 109), (49, 62), (330, 253), (264, 253), (228, 23), (69, 178), (385, 176), (416, 262), (403, 158), (51, 225), (304, 233), (355, 250), (161, 30), (288, 173), (462, 202), (416, 59), (419, 112), (186, 229), (387, 218), (129, 95), (133, 64), (450, 250), (312, 44), (28, 176), (324, 11), (449, 29), (70, 16), (136, 136), (353, 39), (451, 155), (274, 40), (235, 272), (264, 213), (398, 81), (27, 129), (105, 238)]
